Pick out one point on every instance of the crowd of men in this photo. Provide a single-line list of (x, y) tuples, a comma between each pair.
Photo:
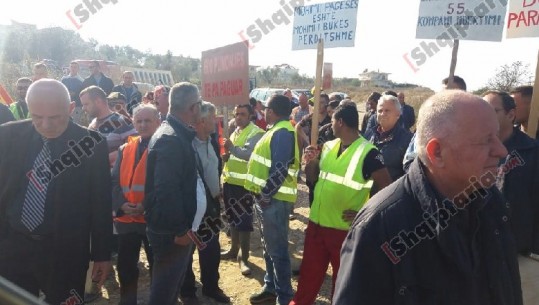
[(448, 214)]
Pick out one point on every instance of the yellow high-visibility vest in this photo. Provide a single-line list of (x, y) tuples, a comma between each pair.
[(340, 185), (235, 169), (260, 163)]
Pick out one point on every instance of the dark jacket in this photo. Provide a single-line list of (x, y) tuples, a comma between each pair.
[(521, 188), (392, 255), (393, 147), (5, 114), (171, 179), (407, 117), (79, 196), (105, 83)]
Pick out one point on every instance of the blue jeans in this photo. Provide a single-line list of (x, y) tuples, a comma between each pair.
[(169, 266), (274, 220)]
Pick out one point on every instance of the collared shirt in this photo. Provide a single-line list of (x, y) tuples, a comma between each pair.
[(210, 164)]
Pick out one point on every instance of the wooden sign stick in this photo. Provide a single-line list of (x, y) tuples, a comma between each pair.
[(534, 108), (453, 63), (318, 83)]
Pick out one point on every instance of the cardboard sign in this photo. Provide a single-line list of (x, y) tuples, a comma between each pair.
[(461, 19), (327, 76), (523, 19), (334, 22), (4, 96), (225, 75)]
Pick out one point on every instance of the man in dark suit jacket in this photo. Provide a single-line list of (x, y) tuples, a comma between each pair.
[(98, 79), (5, 114), (53, 204)]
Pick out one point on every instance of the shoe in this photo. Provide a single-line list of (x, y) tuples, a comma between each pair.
[(190, 300), (90, 297), (263, 297), (292, 217), (217, 295), (244, 267)]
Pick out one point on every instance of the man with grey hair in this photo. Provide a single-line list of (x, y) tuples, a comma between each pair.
[(440, 234), (206, 227), (389, 136), (128, 178), (54, 199), (170, 201)]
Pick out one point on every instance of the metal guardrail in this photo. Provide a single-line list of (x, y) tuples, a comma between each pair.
[(11, 294)]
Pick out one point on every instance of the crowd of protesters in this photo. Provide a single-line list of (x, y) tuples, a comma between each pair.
[(439, 210)]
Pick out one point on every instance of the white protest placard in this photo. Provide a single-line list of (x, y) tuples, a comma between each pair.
[(523, 19), (334, 22), (461, 19)]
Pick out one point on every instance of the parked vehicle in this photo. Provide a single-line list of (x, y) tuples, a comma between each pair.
[(264, 94)]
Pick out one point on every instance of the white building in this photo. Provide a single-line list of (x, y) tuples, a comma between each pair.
[(374, 79)]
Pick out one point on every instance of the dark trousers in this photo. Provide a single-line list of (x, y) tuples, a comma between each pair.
[(128, 258), (238, 207), (169, 265), (209, 259), (36, 265)]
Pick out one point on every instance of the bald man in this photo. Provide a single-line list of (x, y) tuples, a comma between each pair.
[(55, 198), (440, 234)]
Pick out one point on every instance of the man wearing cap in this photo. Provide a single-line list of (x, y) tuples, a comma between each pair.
[(132, 95), (117, 103)]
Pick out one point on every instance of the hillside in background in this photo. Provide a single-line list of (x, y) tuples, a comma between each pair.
[(23, 45)]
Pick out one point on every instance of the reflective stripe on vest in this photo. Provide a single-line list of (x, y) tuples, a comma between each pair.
[(132, 178), (235, 169), (260, 164), (340, 185)]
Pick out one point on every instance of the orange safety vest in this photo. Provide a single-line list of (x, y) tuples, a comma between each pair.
[(132, 178)]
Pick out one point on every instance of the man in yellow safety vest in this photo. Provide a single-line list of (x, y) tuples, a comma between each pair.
[(272, 177), (238, 201), (348, 167)]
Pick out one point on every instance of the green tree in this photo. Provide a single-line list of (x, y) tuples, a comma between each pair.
[(510, 76)]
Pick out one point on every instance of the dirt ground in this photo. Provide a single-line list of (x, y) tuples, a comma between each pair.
[(235, 285)]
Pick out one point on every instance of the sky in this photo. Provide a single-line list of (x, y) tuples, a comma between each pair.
[(385, 32)]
